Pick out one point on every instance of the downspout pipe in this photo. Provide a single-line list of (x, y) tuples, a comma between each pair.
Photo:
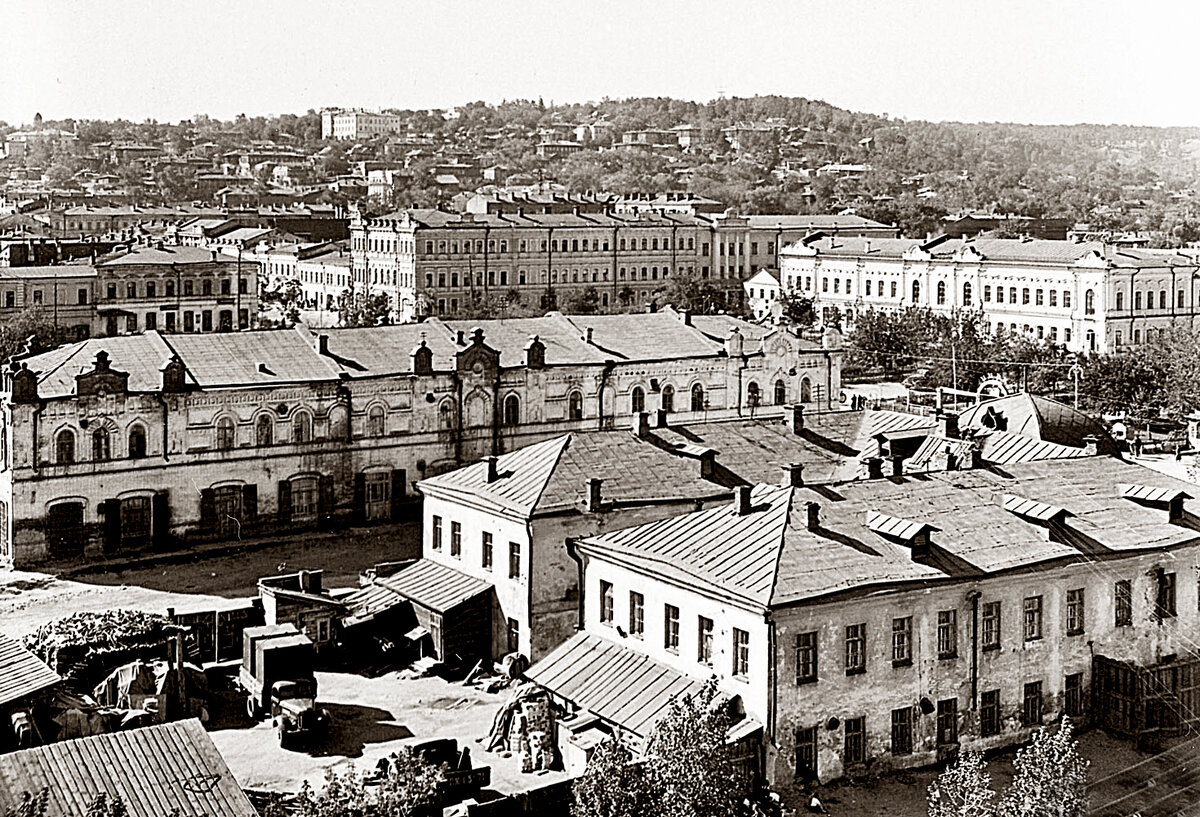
[(573, 552), (973, 597)]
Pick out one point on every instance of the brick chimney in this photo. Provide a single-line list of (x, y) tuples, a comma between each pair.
[(708, 464), (641, 424), (741, 500), (323, 344), (814, 515), (897, 465), (1091, 445), (793, 475), (874, 468), (492, 473), (948, 424), (593, 494), (795, 417), (660, 418)]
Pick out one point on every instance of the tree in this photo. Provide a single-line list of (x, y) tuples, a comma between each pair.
[(584, 302), (1051, 777), (1050, 781), (797, 309), (409, 786), (363, 310), (613, 785), (963, 789), (689, 764), (29, 328)]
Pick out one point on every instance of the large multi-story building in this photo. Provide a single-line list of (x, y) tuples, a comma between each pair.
[(172, 289), (888, 623), (431, 262), (1090, 297), (358, 124), (155, 438)]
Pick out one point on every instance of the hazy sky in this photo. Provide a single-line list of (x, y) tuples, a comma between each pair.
[(1007, 60)]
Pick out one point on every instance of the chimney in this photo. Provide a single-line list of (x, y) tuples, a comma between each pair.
[(948, 424), (660, 418), (641, 424), (461, 338), (492, 474), (814, 515), (593, 494), (323, 344), (1091, 445), (793, 475), (686, 317), (795, 416), (741, 500), (874, 468), (951, 459), (708, 464), (897, 465), (589, 334)]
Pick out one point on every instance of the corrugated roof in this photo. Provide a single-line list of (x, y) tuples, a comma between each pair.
[(615, 683), (434, 585), (155, 771), (21, 672)]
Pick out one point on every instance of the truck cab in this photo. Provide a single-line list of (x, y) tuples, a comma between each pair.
[(277, 676)]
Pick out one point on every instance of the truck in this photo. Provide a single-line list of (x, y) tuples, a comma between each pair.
[(277, 677)]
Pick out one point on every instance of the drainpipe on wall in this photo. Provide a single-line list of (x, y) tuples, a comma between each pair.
[(166, 413), (973, 597), (574, 554), (605, 371)]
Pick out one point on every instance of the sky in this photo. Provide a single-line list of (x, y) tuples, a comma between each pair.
[(1053, 61)]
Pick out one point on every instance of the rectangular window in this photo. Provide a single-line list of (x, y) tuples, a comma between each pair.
[(806, 753), (1073, 694), (487, 551), (902, 641), (902, 731), (456, 540), (1031, 712), (856, 649), (947, 634), (947, 722), (514, 560), (1075, 623), (1164, 604), (806, 658), (1054, 297), (637, 614), (378, 496), (606, 602), (704, 639), (1033, 618), (436, 533), (856, 740), (741, 652), (989, 713), (1037, 297), (1123, 603), (671, 628), (991, 625), (987, 294), (514, 635)]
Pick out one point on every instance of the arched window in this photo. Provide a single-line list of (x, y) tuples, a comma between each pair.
[(916, 291), (697, 397), (512, 410), (575, 406), (668, 398), (637, 400), (64, 447), (941, 292), (967, 294), (137, 442), (376, 420), (225, 433), (805, 391), (339, 423), (1089, 302), (264, 431), (101, 445), (780, 392), (302, 427), (446, 418), (753, 395)]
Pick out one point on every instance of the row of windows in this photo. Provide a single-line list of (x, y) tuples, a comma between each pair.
[(1162, 300), (553, 245), (487, 547), (566, 276), (903, 724), (967, 294), (101, 439), (192, 321), (150, 289), (740, 639), (855, 654), (38, 296), (1039, 296)]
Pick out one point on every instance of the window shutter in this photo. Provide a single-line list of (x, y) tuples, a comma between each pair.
[(112, 524), (284, 511), (325, 500), (398, 494), (360, 498), (250, 502), (208, 510), (160, 510)]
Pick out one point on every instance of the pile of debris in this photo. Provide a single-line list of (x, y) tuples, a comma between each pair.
[(524, 726), (84, 647)]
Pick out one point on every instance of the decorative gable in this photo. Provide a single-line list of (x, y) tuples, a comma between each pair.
[(102, 379)]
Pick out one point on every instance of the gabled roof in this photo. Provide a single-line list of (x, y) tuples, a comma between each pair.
[(1150, 493), (155, 771), (1036, 417), (425, 582), (21, 672)]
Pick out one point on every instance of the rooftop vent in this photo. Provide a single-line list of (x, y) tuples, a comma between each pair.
[(741, 500), (492, 472)]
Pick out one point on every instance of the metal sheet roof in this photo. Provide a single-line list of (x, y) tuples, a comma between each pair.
[(1031, 509), (433, 585), (156, 770), (613, 682), (1150, 493), (21, 672), (893, 526)]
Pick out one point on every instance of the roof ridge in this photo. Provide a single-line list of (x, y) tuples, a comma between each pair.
[(779, 550)]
